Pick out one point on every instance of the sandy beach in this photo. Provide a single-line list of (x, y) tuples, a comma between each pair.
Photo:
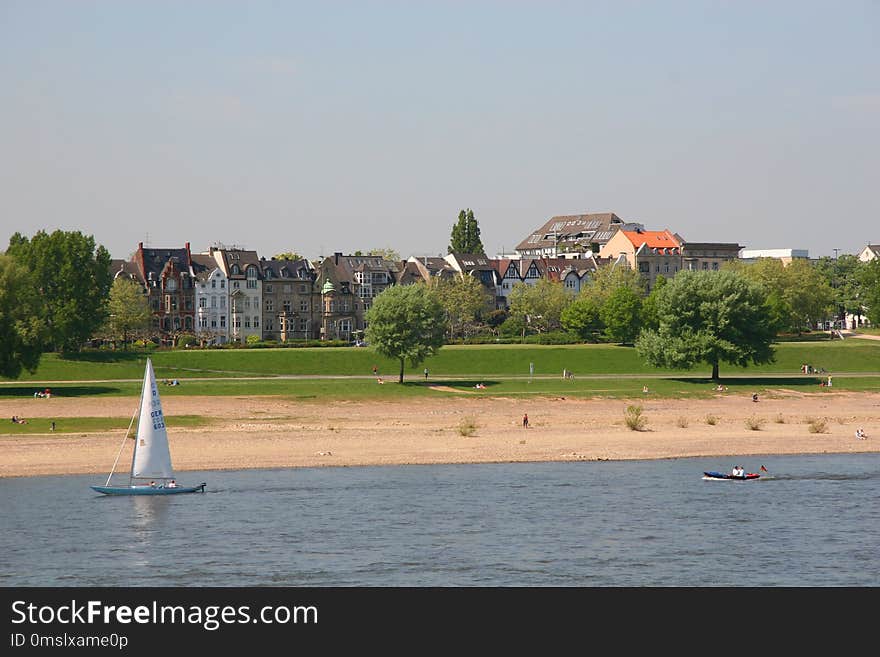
[(270, 432)]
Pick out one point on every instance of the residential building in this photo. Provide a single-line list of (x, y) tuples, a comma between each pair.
[(870, 252), (574, 235), (291, 302), (482, 268), (652, 253), (167, 277), (212, 299), (348, 284), (707, 256), (424, 268), (242, 270), (529, 270)]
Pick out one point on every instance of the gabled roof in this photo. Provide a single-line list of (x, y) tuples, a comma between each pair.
[(125, 268), (239, 257), (203, 265)]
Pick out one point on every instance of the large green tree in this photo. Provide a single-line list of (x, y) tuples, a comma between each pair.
[(582, 317), (621, 315), (709, 317), (73, 278), (466, 234), (406, 323), (869, 280), (129, 312), (21, 330)]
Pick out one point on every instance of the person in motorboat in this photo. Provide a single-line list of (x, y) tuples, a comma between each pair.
[(172, 484), (737, 471)]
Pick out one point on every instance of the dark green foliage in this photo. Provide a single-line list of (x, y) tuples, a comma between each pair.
[(20, 328), (73, 279), (406, 323), (466, 235), (709, 317)]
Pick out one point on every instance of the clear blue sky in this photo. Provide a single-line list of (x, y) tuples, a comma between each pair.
[(336, 126)]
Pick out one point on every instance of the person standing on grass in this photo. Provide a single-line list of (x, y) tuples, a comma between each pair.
[(426, 374)]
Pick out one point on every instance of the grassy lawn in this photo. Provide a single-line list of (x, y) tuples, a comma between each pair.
[(455, 360)]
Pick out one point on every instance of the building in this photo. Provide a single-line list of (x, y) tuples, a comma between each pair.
[(652, 253), (212, 299), (167, 276), (483, 269), (529, 271), (348, 284), (870, 252), (707, 256), (786, 255), (423, 269), (573, 235), (291, 302), (242, 270)]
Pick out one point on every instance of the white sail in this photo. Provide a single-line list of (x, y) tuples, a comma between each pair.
[(152, 458)]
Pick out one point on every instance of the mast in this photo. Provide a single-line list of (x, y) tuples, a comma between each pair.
[(140, 405)]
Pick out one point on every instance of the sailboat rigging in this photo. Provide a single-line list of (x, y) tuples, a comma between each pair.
[(151, 470)]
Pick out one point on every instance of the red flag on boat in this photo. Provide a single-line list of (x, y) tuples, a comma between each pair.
[(763, 469)]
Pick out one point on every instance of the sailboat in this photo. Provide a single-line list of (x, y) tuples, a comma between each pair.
[(151, 471)]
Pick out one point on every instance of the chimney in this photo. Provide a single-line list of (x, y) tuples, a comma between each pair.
[(336, 256)]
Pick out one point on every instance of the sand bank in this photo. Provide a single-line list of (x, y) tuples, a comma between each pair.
[(268, 432)]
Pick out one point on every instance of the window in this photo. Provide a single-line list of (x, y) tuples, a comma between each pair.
[(235, 284), (170, 284), (222, 302), (303, 324), (214, 284), (270, 305), (269, 289), (222, 321), (247, 321), (188, 303), (213, 323), (286, 305), (705, 265), (666, 267), (715, 266), (188, 323), (256, 321), (657, 268), (252, 278), (222, 284), (213, 302), (304, 306), (177, 323), (234, 270), (203, 302)]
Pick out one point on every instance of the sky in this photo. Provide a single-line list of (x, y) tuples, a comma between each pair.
[(318, 127)]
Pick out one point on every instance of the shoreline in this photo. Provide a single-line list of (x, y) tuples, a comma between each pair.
[(276, 432)]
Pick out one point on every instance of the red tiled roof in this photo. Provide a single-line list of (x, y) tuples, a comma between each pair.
[(654, 239)]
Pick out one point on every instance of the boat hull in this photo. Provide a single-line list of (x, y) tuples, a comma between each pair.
[(148, 490), (722, 476)]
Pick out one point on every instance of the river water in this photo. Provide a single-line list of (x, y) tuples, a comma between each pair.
[(811, 521)]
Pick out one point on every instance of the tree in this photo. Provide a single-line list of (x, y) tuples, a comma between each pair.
[(842, 275), (539, 306), (607, 278), (621, 314), (800, 295), (287, 255), (464, 299), (869, 280), (385, 254), (649, 305), (709, 316), (406, 323), (582, 317), (21, 331), (73, 278), (129, 310), (466, 235)]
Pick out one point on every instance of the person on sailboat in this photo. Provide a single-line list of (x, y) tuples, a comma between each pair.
[(172, 484)]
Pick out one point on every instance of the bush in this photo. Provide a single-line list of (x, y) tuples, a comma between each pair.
[(682, 422), (755, 423), (467, 426), (818, 425), (711, 419), (780, 419), (634, 418)]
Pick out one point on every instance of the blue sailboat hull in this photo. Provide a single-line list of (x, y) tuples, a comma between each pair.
[(148, 490)]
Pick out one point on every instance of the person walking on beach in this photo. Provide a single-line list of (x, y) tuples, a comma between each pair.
[(526, 421)]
